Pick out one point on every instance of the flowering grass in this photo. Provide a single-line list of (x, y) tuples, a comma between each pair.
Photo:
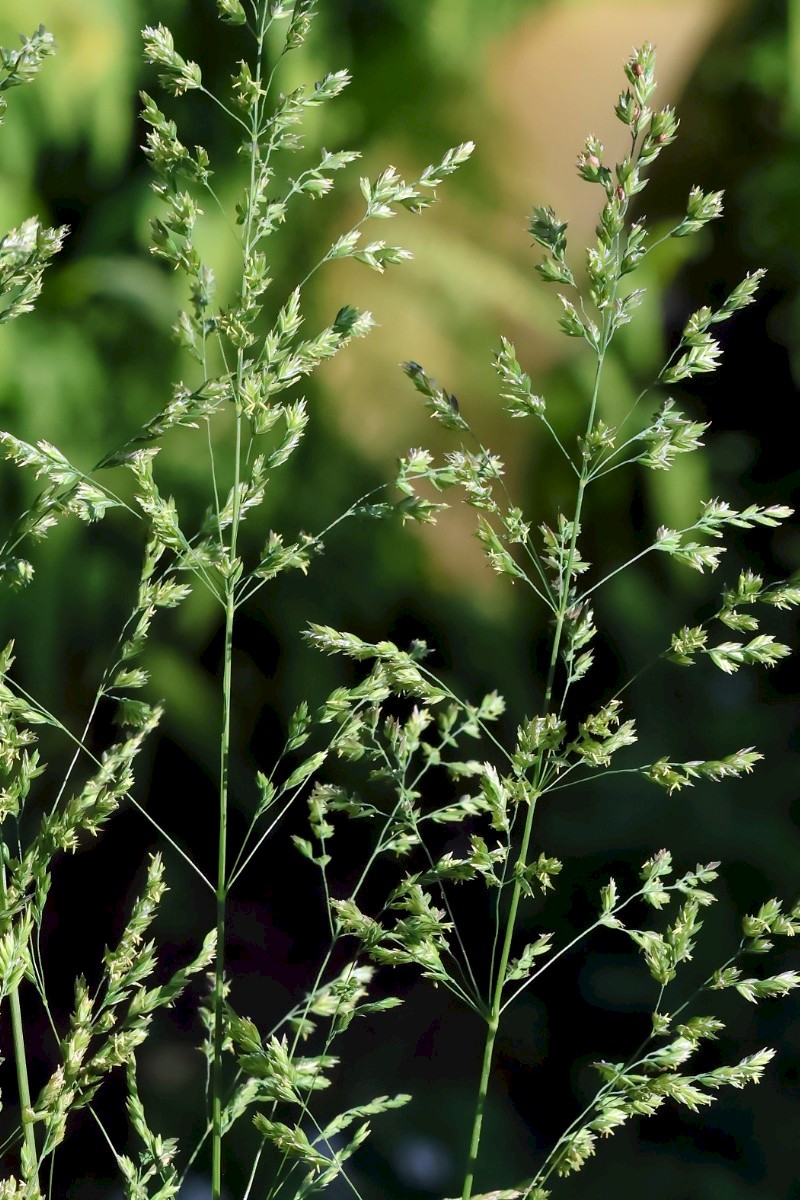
[(426, 763)]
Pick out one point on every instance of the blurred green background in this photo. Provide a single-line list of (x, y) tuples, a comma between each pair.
[(527, 81)]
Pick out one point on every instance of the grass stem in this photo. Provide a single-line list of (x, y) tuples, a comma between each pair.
[(221, 895)]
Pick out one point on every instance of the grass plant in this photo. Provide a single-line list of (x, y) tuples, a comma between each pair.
[(430, 764)]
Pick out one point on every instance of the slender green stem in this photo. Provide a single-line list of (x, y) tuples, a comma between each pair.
[(82, 748), (222, 895), (470, 992), (253, 1171), (246, 851), (630, 562), (559, 443), (228, 111), (584, 933), (21, 1063), (493, 1019), (231, 582), (22, 1078)]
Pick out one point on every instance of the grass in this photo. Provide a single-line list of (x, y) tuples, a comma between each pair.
[(426, 781)]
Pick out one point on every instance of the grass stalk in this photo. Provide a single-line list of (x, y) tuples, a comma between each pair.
[(493, 1021), (221, 904), (21, 1065), (399, 721)]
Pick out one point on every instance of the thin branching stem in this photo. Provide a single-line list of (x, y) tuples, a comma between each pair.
[(493, 1021), (221, 902), (21, 1066), (223, 885), (579, 937)]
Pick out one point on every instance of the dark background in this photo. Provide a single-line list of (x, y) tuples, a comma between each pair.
[(96, 359)]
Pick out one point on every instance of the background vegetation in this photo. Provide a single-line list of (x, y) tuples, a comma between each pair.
[(526, 80)]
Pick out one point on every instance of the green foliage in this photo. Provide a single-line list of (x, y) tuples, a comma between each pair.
[(430, 761), (245, 361), (553, 751)]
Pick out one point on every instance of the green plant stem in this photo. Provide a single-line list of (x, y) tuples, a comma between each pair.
[(21, 1063), (493, 1019), (22, 1077), (222, 895), (231, 580)]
